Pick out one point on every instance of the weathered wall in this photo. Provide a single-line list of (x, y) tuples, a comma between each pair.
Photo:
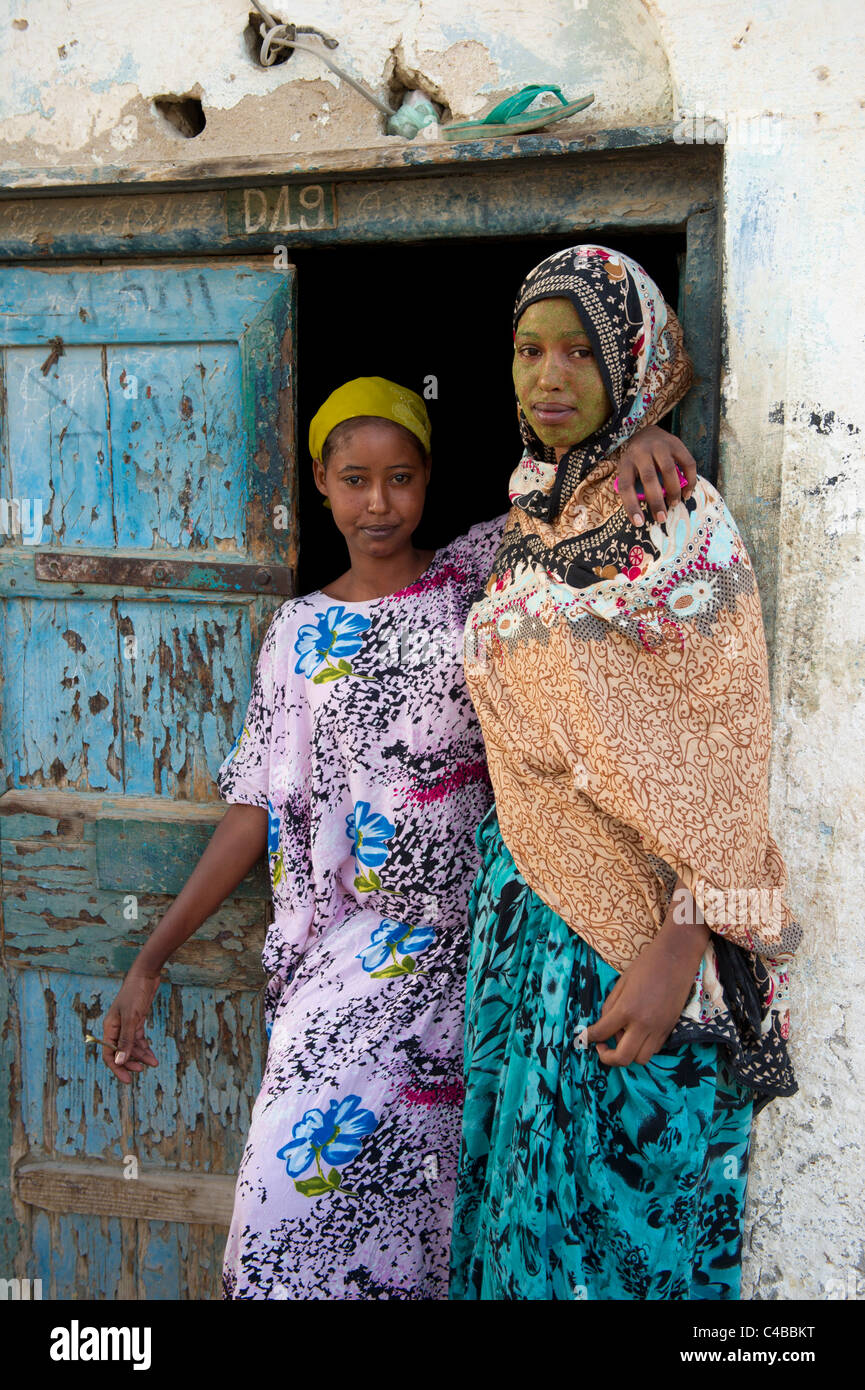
[(80, 94), (792, 471), (79, 81)]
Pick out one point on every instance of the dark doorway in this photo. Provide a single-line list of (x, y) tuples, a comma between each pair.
[(440, 310)]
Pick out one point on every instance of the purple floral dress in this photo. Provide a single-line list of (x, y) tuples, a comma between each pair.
[(361, 741)]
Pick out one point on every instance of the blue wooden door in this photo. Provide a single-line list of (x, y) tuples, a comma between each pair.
[(146, 535)]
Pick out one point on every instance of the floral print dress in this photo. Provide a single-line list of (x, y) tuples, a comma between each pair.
[(361, 741)]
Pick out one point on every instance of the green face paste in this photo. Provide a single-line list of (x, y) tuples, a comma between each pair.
[(556, 376)]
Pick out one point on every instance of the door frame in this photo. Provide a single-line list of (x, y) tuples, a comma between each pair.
[(642, 182), (638, 182), (56, 843)]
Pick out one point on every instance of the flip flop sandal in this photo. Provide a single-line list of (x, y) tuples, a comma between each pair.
[(510, 117)]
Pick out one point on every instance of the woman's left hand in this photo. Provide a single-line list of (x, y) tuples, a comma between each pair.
[(644, 1004), (651, 458)]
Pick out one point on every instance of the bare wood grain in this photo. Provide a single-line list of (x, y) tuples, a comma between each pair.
[(95, 1189), (391, 153), (94, 806)]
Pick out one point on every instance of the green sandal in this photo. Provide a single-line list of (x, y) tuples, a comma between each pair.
[(511, 118)]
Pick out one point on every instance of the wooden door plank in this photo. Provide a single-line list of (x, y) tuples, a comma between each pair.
[(68, 814), (79, 1257), (267, 353), (388, 154), (58, 441), (142, 856), (154, 304), (700, 301), (147, 699), (187, 1259), (69, 1105), (193, 1111), (57, 864), (203, 1199), (10, 1233), (181, 474), (67, 660), (196, 582), (183, 690), (148, 857), (224, 954), (559, 187)]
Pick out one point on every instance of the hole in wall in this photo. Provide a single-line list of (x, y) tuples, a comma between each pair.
[(398, 91), (185, 114), (403, 79), (253, 37)]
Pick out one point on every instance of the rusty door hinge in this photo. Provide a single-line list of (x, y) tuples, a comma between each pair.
[(58, 350), (65, 568)]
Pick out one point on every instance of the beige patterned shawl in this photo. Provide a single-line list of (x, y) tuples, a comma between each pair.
[(621, 682)]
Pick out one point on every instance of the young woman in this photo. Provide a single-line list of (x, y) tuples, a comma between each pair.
[(627, 982), (360, 767)]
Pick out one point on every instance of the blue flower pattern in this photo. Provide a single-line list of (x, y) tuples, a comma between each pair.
[(335, 1136), (272, 828), (388, 939), (274, 853), (236, 744), (369, 832), (327, 642)]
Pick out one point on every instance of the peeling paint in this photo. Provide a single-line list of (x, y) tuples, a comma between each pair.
[(95, 99), (791, 469)]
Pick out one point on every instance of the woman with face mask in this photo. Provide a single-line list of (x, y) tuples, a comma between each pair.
[(626, 1004)]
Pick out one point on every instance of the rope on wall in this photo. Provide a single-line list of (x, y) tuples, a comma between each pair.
[(276, 37)]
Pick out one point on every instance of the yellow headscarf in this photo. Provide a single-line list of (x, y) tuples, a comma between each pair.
[(370, 395)]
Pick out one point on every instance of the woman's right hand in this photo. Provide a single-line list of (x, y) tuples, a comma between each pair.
[(237, 842), (655, 458), (128, 1050)]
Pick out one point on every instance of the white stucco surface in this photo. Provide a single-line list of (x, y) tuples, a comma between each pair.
[(79, 80), (793, 473), (789, 79)]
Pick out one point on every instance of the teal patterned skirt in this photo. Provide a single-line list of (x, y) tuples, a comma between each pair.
[(578, 1180)]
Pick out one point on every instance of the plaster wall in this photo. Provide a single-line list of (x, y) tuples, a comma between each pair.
[(792, 471), (79, 80), (788, 81)]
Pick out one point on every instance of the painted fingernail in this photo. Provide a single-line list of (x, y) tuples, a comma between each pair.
[(119, 1059)]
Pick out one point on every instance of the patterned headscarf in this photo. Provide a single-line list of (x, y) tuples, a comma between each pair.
[(638, 349), (620, 678)]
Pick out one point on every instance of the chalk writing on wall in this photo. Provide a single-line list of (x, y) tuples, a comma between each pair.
[(286, 208)]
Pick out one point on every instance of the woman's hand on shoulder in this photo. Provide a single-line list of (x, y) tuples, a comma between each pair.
[(650, 464)]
